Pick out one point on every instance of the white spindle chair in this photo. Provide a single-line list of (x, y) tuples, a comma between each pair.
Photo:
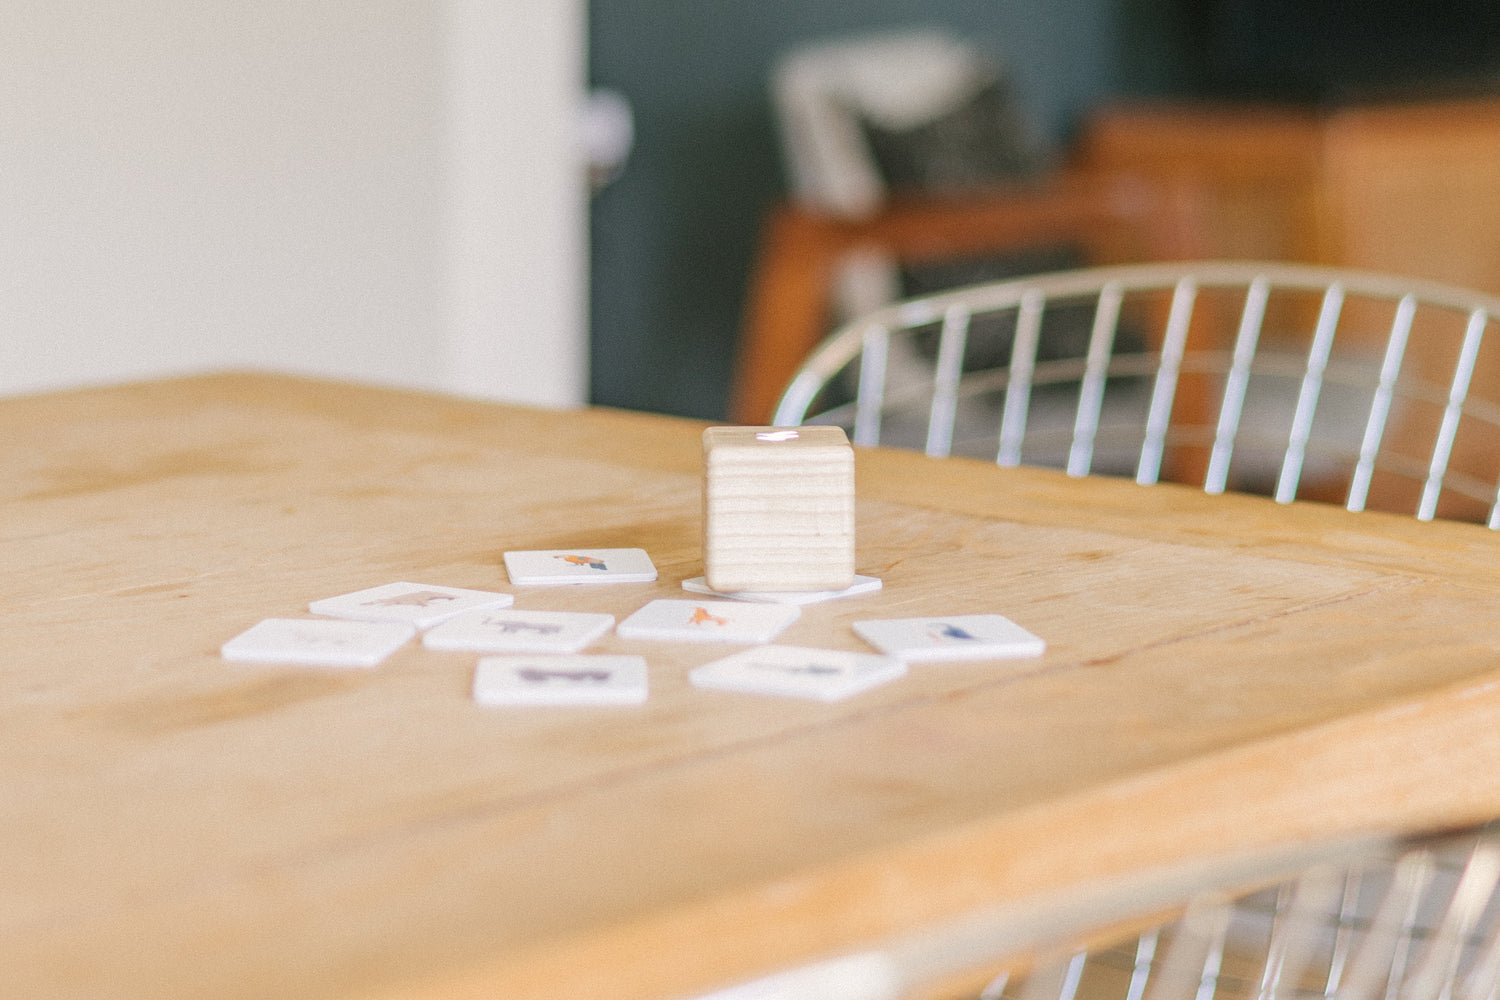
[(1287, 379), (1233, 375), (1397, 918)]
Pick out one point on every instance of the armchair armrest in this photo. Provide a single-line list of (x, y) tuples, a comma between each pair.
[(791, 286)]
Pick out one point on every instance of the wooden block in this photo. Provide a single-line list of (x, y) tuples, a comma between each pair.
[(778, 508)]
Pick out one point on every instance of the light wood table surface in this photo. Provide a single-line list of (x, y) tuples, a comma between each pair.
[(1224, 674)]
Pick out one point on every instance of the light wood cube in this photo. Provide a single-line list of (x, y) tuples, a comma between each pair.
[(778, 508)]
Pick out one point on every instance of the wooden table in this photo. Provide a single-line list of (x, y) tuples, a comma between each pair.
[(1224, 674)]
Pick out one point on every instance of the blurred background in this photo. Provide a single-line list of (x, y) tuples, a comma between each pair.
[(674, 238), (399, 193)]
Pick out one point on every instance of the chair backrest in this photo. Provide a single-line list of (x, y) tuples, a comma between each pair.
[(1383, 918), (1291, 380), (919, 109), (1414, 919)]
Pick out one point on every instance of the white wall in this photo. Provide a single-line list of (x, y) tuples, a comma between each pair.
[(380, 191), (517, 253)]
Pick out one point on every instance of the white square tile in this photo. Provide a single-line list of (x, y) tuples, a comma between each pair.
[(861, 585), (555, 566), (560, 680), (420, 604), (324, 642), (507, 630), (954, 637), (798, 672), (708, 621)]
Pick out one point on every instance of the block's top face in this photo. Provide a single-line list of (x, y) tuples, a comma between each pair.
[(799, 444)]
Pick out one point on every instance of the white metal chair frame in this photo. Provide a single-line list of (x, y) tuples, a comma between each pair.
[(1415, 920), (1376, 919), (869, 339)]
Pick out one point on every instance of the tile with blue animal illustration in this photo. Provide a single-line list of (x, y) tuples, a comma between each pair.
[(952, 637)]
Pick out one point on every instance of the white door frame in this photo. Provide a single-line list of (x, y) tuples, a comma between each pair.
[(516, 198)]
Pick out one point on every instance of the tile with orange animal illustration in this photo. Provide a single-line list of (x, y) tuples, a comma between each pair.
[(552, 566), (708, 621)]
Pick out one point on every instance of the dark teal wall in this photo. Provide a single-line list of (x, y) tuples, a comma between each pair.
[(673, 237)]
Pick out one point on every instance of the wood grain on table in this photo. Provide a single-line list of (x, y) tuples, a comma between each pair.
[(1223, 674)]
